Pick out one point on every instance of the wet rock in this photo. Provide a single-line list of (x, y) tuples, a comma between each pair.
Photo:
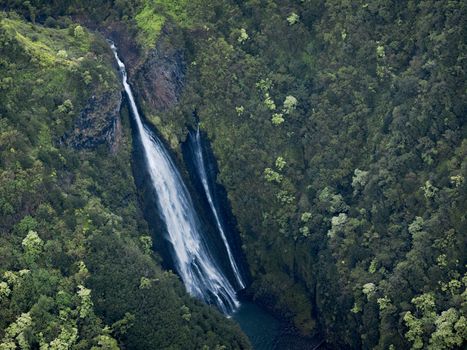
[(160, 79), (128, 49), (98, 123)]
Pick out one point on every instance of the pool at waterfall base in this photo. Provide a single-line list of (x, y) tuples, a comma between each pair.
[(209, 271), (267, 332)]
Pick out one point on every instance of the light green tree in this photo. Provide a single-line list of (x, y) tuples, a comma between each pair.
[(277, 119), (62, 54), (272, 176), (145, 283), (290, 104), (359, 180), (32, 245), (65, 107), (293, 18), (16, 334), (433, 331), (4, 290), (429, 191), (280, 163), (415, 330), (243, 36), (306, 216), (383, 303), (106, 342), (65, 340), (269, 102), (146, 242), (85, 308), (305, 231), (451, 331), (78, 32), (337, 224), (186, 314), (369, 289)]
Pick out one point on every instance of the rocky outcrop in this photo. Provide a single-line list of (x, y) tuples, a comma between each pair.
[(128, 48), (98, 123), (159, 80)]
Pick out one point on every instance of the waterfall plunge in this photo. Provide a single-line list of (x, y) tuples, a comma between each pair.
[(200, 273), (195, 140)]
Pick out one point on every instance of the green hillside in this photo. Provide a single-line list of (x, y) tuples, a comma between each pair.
[(76, 266), (339, 129)]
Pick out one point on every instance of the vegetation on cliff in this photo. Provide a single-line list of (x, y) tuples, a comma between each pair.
[(340, 133), (77, 269)]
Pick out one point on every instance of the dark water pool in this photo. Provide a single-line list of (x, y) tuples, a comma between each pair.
[(268, 333)]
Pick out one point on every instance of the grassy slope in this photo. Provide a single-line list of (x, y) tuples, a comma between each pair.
[(152, 15)]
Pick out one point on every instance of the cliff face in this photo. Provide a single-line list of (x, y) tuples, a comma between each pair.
[(70, 225), (97, 123), (339, 140), (156, 75), (160, 78)]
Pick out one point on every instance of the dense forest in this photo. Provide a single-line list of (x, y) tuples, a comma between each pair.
[(70, 224), (339, 129)]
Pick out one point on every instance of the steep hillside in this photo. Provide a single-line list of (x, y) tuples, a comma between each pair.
[(76, 264), (339, 129)]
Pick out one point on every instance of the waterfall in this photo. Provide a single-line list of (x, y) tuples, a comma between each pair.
[(201, 169), (194, 263)]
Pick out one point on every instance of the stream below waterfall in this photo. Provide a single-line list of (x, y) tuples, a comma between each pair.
[(208, 264)]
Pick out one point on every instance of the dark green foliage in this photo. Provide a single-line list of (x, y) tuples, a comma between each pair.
[(360, 234), (73, 270), (374, 151)]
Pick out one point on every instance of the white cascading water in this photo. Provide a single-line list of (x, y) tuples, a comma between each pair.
[(201, 169), (193, 261)]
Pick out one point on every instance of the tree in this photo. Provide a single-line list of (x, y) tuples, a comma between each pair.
[(290, 104), (280, 163), (86, 307), (146, 242), (243, 36), (277, 119), (78, 32), (359, 180), (272, 176), (17, 334), (293, 18), (106, 342), (451, 331), (32, 245)]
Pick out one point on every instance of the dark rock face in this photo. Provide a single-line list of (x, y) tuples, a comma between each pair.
[(128, 49), (98, 123), (159, 80)]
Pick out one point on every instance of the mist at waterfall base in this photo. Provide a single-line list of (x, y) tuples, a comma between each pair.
[(188, 240)]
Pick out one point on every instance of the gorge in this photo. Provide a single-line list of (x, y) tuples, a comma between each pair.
[(195, 263), (193, 260), (257, 174)]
